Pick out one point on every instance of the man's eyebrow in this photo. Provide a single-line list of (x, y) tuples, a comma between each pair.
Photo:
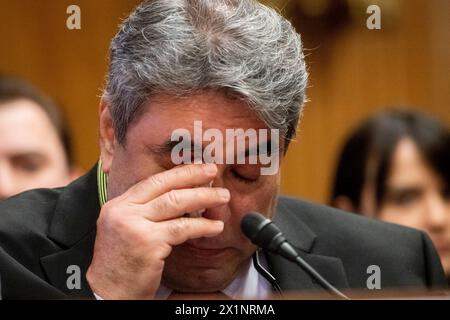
[(267, 145), (162, 149), (402, 189), (166, 148)]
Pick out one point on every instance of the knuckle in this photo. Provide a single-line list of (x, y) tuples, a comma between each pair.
[(107, 210), (138, 239), (157, 206), (137, 188), (107, 207), (161, 251), (202, 194), (178, 227), (174, 199), (157, 180), (191, 170), (117, 223), (113, 219), (216, 193)]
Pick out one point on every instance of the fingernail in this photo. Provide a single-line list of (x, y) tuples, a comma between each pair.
[(224, 193), (220, 224), (210, 168)]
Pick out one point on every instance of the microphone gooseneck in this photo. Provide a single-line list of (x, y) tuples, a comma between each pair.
[(266, 235)]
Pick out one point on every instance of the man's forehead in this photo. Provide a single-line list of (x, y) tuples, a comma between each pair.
[(163, 115), (211, 107), (26, 131)]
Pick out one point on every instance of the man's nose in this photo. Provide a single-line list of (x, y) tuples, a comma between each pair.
[(7, 184), (218, 213), (438, 212)]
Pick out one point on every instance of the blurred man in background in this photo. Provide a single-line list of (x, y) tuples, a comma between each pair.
[(35, 150), (396, 167)]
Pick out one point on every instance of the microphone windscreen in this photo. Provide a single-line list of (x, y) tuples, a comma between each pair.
[(259, 229), (252, 223)]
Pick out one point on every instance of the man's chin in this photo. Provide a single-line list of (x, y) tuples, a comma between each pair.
[(192, 271), (197, 279)]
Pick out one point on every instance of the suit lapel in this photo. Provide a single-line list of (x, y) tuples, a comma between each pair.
[(58, 266), (291, 277), (73, 228)]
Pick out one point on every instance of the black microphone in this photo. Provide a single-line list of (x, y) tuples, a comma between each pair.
[(265, 234)]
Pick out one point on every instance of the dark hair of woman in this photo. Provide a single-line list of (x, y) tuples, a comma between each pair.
[(367, 154)]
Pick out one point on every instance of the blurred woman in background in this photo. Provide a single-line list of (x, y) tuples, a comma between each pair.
[(396, 167)]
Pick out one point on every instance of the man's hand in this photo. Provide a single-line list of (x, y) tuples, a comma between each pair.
[(136, 231)]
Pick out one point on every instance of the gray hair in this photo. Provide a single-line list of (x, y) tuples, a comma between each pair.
[(179, 47)]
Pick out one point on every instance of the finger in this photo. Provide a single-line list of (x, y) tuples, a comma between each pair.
[(176, 203), (176, 178), (182, 229)]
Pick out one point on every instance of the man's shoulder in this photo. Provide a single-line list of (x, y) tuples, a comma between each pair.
[(335, 224), (346, 234), (30, 210), (24, 223), (33, 212), (406, 256), (322, 218)]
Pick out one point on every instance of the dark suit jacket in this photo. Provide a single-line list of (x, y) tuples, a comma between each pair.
[(42, 232)]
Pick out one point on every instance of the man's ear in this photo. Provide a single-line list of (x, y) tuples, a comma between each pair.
[(107, 135)]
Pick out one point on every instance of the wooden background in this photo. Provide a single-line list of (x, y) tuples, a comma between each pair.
[(354, 71)]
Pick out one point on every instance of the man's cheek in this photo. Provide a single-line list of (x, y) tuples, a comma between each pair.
[(242, 204), (264, 201)]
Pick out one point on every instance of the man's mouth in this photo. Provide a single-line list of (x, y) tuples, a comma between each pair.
[(202, 250)]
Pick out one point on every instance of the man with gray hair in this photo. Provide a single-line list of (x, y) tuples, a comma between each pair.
[(143, 226)]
